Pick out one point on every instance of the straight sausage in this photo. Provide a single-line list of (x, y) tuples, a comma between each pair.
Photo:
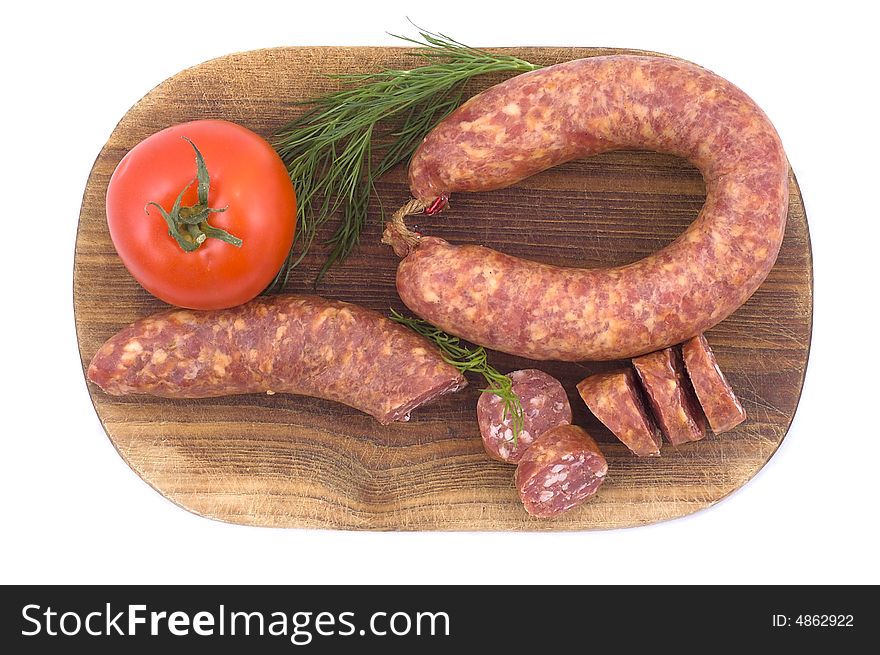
[(573, 110), (303, 345)]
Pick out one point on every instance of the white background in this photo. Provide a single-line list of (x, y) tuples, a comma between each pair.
[(74, 512)]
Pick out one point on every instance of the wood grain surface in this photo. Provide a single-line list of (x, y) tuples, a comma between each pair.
[(302, 462)]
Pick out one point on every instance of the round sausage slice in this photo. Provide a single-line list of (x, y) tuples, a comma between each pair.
[(560, 470), (545, 405)]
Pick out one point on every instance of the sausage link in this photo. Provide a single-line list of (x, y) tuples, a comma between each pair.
[(303, 345), (574, 110)]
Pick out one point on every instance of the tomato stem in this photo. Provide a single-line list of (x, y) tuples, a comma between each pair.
[(189, 225)]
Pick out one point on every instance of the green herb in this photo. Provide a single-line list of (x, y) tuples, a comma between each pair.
[(331, 150), (189, 225), (467, 360)]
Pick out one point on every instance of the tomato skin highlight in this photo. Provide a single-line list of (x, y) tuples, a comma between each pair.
[(247, 177)]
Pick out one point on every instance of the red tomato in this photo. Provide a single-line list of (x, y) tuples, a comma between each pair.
[(247, 178)]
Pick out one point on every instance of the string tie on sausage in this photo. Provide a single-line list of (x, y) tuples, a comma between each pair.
[(397, 235)]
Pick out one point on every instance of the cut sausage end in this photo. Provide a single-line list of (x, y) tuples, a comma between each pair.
[(402, 413)]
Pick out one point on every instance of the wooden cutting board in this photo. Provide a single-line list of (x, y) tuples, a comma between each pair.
[(301, 462)]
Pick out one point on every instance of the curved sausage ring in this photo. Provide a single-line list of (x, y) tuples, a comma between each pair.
[(573, 110)]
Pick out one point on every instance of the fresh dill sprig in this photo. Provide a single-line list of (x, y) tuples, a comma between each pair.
[(331, 149), (467, 360)]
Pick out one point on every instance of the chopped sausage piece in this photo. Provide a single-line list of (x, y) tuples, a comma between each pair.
[(560, 470), (615, 399), (303, 345), (545, 405), (670, 396), (720, 404)]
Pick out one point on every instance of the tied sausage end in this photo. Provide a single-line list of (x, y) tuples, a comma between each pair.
[(397, 235)]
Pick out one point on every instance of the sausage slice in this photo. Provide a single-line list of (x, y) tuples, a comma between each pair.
[(670, 396), (615, 399), (719, 402), (560, 470), (545, 405)]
